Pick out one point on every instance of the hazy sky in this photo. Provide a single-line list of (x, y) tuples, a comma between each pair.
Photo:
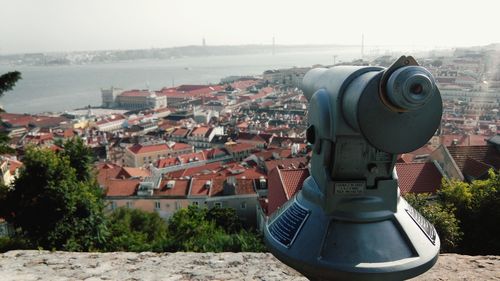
[(64, 25)]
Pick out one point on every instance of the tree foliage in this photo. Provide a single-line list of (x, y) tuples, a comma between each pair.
[(56, 203), (477, 206), (225, 218), (8, 81), (190, 229), (135, 230), (201, 230), (12, 243), (465, 215), (443, 219), (80, 158), (4, 143), (52, 208)]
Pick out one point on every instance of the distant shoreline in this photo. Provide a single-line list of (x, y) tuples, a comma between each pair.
[(192, 51)]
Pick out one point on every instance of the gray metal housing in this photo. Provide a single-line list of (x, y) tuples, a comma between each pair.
[(349, 221)]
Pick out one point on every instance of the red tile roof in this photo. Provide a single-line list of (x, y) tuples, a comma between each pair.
[(268, 154), (180, 159), (477, 140), (279, 141), (217, 188), (48, 121), (139, 148), (461, 140), (68, 133), (282, 185), (207, 168), (135, 93), (239, 147), (200, 131), (181, 146), (111, 119), (215, 152), (263, 138), (253, 173), (189, 91), (170, 161), (448, 140), (107, 171), (180, 188), (199, 188), (39, 138), (486, 154), (286, 153), (292, 180), (180, 132), (288, 163), (475, 169), (266, 90), (244, 187), (120, 187), (14, 165), (17, 121), (243, 84), (176, 174), (418, 177), (129, 172)]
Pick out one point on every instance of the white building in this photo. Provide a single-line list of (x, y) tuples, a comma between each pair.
[(109, 96)]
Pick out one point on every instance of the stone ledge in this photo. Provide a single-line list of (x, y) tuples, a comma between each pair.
[(45, 265)]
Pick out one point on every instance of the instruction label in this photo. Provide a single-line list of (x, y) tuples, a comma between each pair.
[(350, 188)]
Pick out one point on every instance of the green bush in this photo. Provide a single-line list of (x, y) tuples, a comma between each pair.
[(443, 219), (51, 207), (465, 215), (13, 243), (477, 206), (215, 230), (135, 231), (191, 230)]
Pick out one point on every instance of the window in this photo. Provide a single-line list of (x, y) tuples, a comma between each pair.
[(195, 203), (243, 205), (218, 204), (157, 205), (113, 205), (130, 204)]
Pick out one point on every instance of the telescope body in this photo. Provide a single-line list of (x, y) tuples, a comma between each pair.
[(349, 221)]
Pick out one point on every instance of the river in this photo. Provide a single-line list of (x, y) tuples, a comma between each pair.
[(60, 88)]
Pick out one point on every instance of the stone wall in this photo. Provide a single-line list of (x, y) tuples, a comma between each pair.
[(44, 265)]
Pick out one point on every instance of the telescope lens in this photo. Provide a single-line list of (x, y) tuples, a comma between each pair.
[(410, 87), (416, 89)]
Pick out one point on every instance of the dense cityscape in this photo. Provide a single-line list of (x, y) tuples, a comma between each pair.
[(264, 140), (241, 143), (208, 167)]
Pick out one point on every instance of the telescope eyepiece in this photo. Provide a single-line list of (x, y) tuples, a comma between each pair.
[(410, 87)]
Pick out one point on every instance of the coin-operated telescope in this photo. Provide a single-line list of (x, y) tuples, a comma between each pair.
[(349, 221)]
